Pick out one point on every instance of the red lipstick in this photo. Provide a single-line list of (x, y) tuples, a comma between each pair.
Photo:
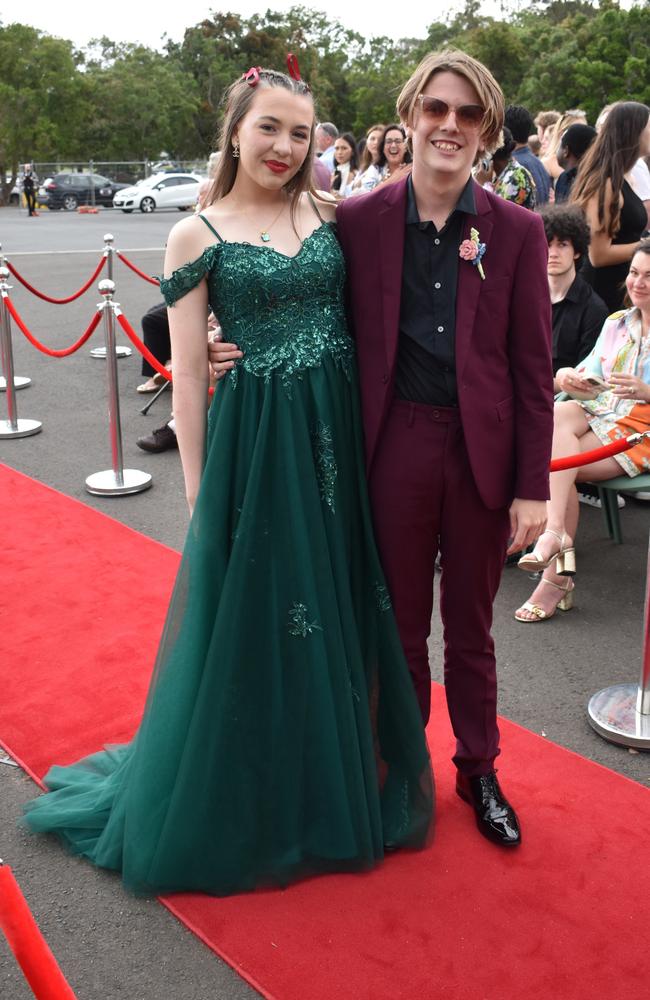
[(276, 167)]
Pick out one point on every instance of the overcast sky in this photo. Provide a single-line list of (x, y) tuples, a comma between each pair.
[(126, 21)]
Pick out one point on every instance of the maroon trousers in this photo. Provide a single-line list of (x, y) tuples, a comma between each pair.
[(424, 499)]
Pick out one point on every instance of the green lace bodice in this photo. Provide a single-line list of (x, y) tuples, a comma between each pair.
[(285, 313)]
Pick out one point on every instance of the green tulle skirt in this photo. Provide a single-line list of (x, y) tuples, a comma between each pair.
[(281, 735)]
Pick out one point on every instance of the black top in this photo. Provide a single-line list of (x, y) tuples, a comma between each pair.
[(609, 282), (577, 321), (426, 361)]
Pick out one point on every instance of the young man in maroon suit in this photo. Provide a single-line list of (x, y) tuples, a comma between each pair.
[(451, 315)]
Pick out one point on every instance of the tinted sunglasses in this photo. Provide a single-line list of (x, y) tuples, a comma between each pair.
[(436, 111)]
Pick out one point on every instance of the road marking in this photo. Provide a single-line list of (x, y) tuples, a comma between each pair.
[(54, 253)]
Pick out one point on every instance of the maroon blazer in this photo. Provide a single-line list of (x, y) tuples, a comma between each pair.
[(503, 335)]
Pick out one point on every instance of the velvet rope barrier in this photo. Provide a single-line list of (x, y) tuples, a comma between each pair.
[(66, 351), (597, 454), (48, 298), (32, 952), (136, 270), (144, 350)]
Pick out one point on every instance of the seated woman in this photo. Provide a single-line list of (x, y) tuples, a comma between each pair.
[(368, 177), (611, 398), (394, 155), (346, 164)]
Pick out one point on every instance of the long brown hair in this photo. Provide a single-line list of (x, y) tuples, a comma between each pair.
[(237, 100), (366, 156), (613, 152)]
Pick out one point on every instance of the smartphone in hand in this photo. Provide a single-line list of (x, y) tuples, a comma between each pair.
[(597, 382)]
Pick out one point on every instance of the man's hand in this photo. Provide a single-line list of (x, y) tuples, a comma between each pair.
[(527, 522), (222, 357)]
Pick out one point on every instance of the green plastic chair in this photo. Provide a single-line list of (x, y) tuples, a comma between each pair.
[(607, 493)]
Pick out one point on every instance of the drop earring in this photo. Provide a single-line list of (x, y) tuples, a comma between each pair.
[(235, 150)]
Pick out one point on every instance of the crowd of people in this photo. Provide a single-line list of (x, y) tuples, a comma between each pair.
[(391, 345)]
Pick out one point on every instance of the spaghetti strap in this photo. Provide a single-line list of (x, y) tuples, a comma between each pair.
[(210, 227), (315, 206)]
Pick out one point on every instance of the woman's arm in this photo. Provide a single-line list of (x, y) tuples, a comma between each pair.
[(188, 323), (602, 252)]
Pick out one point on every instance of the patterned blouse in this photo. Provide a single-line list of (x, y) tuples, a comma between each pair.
[(621, 349), (515, 183)]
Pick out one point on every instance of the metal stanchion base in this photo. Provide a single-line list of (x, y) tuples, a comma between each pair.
[(23, 429), (107, 484), (20, 382), (613, 714), (120, 352)]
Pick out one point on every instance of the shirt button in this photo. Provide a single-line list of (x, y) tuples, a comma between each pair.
[(441, 329), (436, 241), (437, 284), (384, 378)]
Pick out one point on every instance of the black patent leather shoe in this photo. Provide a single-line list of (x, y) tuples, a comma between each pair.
[(495, 817)]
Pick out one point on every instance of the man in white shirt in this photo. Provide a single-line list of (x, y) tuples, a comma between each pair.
[(326, 136)]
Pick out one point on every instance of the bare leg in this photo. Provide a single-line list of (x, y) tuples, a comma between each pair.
[(570, 437)]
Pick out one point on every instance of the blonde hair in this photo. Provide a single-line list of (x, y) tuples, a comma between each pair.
[(565, 121), (454, 61), (238, 100)]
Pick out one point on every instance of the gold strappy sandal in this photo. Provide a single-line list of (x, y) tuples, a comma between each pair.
[(564, 604), (565, 558)]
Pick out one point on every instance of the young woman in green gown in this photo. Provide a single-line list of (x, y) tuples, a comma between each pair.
[(281, 736)]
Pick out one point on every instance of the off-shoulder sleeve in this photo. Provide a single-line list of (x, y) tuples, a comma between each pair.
[(185, 278)]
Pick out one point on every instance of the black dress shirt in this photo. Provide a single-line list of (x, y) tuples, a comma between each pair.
[(426, 357), (577, 321)]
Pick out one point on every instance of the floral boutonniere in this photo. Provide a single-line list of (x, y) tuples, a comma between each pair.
[(473, 250)]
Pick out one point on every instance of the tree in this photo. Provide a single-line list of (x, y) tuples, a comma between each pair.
[(39, 89)]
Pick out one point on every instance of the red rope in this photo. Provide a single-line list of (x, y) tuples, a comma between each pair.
[(144, 350), (587, 457), (28, 944), (48, 298), (47, 350), (136, 270)]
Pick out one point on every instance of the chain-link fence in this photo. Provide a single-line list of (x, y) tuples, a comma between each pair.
[(122, 171)]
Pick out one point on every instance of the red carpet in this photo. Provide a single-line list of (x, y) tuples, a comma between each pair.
[(83, 602)]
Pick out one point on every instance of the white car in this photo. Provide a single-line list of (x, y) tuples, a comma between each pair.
[(160, 191)]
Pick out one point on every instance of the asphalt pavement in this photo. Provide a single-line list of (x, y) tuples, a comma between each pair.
[(109, 944)]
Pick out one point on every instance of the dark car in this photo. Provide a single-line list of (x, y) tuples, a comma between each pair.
[(69, 190)]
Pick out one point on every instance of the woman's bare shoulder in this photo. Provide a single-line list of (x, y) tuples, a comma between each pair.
[(186, 242)]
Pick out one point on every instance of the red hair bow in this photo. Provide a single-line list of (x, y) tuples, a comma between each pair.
[(252, 78), (293, 67)]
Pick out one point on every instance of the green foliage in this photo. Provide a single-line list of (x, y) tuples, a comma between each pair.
[(115, 101)]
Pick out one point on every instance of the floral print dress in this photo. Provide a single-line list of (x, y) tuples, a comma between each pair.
[(621, 349)]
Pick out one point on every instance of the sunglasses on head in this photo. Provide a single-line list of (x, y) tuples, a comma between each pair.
[(436, 111)]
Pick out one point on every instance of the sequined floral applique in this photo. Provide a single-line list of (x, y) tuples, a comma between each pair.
[(299, 625), (326, 468), (382, 598)]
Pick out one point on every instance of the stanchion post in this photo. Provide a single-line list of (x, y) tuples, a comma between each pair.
[(118, 480), (621, 713), (20, 381), (643, 695), (12, 426), (109, 252)]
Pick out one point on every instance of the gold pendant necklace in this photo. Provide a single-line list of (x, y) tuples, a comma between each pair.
[(265, 234)]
